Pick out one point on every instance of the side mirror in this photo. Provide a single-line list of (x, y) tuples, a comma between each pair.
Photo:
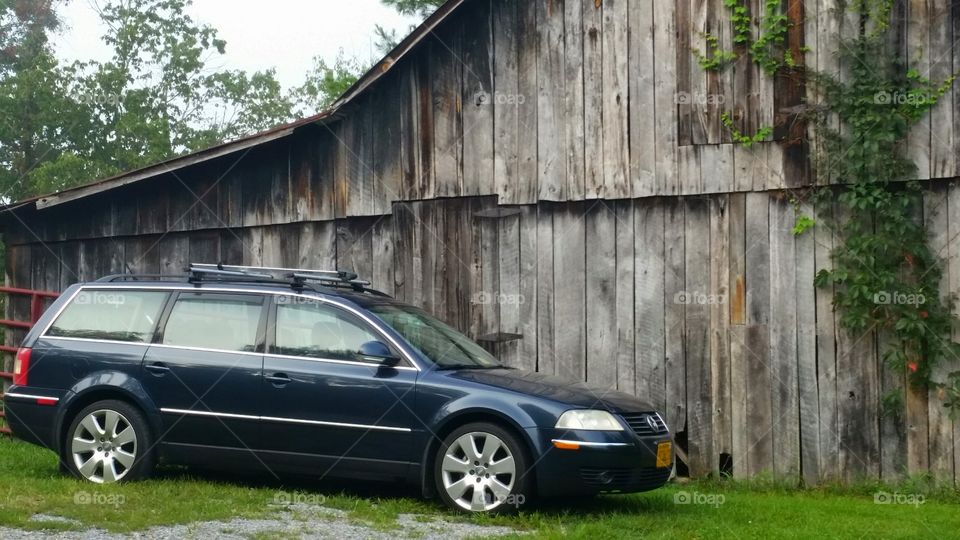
[(375, 351)]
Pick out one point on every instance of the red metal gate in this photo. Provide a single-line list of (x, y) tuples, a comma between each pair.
[(36, 309)]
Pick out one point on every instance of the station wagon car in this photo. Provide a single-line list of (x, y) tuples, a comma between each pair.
[(313, 372)]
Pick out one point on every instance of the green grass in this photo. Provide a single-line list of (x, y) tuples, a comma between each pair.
[(30, 483)]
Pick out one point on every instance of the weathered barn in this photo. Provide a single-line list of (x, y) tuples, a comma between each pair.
[(553, 177)]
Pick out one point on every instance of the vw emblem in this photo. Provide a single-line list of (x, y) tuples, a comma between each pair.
[(652, 422)]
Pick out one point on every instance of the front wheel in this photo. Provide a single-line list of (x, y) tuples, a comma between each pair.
[(482, 467), (107, 442)]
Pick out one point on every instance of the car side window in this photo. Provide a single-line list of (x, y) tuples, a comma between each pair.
[(314, 330), (110, 314), (214, 321)]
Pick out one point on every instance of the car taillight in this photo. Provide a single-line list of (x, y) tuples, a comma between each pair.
[(21, 365)]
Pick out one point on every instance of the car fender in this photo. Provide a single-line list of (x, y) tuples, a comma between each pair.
[(118, 383)]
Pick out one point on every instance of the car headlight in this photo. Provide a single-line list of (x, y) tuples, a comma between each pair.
[(589, 419)]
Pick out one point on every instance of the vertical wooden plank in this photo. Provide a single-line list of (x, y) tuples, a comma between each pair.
[(551, 88), (416, 139), (641, 106), (354, 245), (616, 93), (719, 328), (939, 210), (601, 295), (174, 254), (279, 246), (488, 260), (318, 246), (510, 297), (382, 277), (826, 353), (809, 406), (700, 407), (569, 284), (141, 255), (204, 246), (783, 340), (703, 130), (759, 406), (593, 98), (385, 165), (940, 56), (529, 299), (919, 28), (546, 355), (893, 442), (674, 289), (478, 98), (685, 77), (231, 247), (446, 77), (665, 95), (506, 101), (650, 301), (626, 297), (688, 169), (717, 168), (527, 190), (739, 428), (573, 97), (404, 225), (750, 164)]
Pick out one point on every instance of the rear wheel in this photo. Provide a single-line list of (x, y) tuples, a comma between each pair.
[(482, 467), (109, 441)]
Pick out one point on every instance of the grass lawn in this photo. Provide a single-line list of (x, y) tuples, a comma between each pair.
[(30, 484)]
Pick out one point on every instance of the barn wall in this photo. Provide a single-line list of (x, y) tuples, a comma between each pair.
[(702, 305)]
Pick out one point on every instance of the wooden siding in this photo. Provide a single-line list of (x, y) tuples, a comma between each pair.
[(704, 306)]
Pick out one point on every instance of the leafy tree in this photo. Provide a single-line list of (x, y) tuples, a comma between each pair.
[(325, 83), (388, 39)]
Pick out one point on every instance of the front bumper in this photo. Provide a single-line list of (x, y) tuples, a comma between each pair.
[(602, 462)]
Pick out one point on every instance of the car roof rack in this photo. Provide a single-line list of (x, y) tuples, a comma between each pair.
[(295, 277)]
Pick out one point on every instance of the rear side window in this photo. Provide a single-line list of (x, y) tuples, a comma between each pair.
[(313, 330), (213, 321), (117, 315)]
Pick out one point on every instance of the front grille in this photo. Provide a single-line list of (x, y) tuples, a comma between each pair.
[(614, 479), (646, 424)]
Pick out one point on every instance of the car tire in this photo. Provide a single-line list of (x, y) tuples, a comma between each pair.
[(109, 441), (472, 477)]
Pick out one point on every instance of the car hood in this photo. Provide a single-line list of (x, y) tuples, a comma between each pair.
[(575, 394)]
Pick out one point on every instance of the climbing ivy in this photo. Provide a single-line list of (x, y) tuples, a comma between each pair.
[(885, 275)]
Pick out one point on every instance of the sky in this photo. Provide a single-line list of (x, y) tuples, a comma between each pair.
[(260, 34)]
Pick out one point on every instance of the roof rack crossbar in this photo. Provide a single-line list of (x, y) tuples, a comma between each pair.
[(296, 277)]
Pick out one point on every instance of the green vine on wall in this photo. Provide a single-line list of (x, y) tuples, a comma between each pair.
[(885, 275), (768, 50)]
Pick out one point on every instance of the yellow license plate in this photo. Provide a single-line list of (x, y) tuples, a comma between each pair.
[(664, 455)]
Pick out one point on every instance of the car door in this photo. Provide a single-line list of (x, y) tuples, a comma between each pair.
[(203, 371), (326, 409)]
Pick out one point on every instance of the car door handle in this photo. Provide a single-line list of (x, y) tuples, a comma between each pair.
[(279, 379), (158, 368)]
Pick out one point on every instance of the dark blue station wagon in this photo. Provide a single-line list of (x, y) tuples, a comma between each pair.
[(313, 372)]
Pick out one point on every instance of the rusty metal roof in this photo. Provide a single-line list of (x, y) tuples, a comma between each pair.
[(408, 44)]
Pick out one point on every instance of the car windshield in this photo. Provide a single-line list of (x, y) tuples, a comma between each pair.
[(440, 343)]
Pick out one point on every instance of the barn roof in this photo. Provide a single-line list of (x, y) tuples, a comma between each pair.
[(408, 44)]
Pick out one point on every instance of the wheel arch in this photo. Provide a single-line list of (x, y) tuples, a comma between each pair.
[(464, 417), (96, 388)]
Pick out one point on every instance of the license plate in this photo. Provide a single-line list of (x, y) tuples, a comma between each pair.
[(664, 455)]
